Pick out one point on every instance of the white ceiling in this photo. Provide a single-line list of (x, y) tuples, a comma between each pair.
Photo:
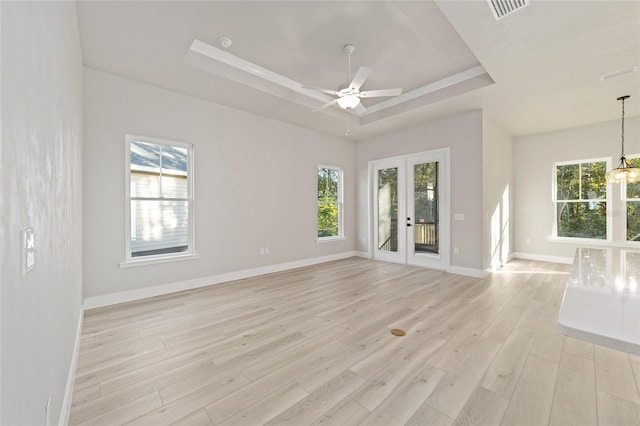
[(534, 71)]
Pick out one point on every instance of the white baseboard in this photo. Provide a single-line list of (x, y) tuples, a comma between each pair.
[(458, 270), (159, 290), (543, 257), (469, 272), (65, 410)]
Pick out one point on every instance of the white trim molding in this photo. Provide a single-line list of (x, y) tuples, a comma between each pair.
[(65, 410), (469, 272), (543, 257), (159, 290)]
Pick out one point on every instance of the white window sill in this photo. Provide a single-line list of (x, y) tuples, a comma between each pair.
[(595, 242), (151, 260), (581, 241), (329, 239)]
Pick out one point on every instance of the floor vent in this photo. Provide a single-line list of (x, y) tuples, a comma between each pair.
[(502, 8)]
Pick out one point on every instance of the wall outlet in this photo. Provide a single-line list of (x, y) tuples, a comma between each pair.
[(458, 216), (261, 251), (267, 250), (528, 241), (456, 250)]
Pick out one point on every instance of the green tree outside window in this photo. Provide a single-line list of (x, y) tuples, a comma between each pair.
[(329, 202)]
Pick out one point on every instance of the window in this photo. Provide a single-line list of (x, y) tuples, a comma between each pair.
[(329, 203), (160, 197), (631, 195), (580, 198)]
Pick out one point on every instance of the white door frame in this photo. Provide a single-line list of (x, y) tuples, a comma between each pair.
[(405, 254)]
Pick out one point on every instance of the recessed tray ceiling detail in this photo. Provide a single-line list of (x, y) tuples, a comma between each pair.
[(224, 64)]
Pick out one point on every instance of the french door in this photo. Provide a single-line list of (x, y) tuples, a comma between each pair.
[(410, 209)]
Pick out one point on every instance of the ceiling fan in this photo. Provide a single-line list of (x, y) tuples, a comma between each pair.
[(349, 94)]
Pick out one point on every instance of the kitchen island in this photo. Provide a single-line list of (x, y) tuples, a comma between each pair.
[(601, 303)]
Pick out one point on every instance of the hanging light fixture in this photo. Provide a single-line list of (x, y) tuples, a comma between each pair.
[(623, 173)]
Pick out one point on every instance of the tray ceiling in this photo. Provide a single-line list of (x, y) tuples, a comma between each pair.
[(536, 70)]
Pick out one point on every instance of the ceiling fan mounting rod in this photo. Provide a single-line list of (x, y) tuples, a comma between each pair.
[(348, 49)]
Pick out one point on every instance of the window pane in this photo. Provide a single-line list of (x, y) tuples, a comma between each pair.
[(160, 227), (329, 215), (426, 207), (328, 184), (328, 220), (388, 209), (145, 184), (582, 219), (594, 182), (633, 221), (174, 186), (568, 182), (633, 189), (145, 155), (145, 169), (174, 159)]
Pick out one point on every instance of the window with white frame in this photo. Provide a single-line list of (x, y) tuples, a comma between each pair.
[(580, 198), (631, 198), (329, 203), (160, 197)]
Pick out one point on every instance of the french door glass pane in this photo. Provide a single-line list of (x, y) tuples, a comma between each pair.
[(426, 207), (159, 227), (388, 209)]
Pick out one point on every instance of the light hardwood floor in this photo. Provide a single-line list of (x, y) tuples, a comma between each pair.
[(313, 346)]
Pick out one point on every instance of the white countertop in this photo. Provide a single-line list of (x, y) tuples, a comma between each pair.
[(601, 303)]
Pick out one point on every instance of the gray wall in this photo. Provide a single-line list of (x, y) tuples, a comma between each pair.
[(41, 187), (533, 173), (463, 134), (255, 184)]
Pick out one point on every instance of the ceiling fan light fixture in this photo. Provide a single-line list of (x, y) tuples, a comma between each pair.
[(623, 173), (348, 101)]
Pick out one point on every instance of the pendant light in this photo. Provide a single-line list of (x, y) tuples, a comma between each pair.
[(623, 173)]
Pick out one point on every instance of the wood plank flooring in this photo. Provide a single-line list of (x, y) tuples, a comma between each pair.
[(312, 346)]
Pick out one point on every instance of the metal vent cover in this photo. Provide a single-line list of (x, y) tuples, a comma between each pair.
[(502, 8)]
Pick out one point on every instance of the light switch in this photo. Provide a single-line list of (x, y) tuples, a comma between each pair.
[(28, 251), (458, 216)]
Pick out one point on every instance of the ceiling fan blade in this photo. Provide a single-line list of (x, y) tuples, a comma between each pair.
[(360, 109), (327, 105), (380, 93), (320, 89), (360, 77)]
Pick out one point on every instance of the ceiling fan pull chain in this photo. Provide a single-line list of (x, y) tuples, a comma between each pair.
[(346, 117)]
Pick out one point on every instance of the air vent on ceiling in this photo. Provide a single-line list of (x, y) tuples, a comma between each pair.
[(502, 8)]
